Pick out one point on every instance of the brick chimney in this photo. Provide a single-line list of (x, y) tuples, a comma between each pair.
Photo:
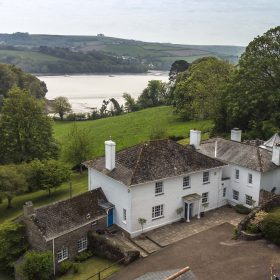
[(110, 155), (28, 209)]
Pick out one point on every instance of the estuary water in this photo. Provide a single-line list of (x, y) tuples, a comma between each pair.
[(86, 92)]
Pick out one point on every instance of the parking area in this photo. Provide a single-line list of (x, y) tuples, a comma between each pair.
[(211, 254)]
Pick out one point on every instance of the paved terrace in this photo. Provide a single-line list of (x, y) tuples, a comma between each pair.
[(172, 233)]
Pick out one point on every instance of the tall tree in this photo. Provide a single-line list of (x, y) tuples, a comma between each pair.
[(61, 106), (153, 95), (177, 66), (198, 95), (78, 146), (254, 95), (130, 103), (25, 131), (12, 182), (47, 174)]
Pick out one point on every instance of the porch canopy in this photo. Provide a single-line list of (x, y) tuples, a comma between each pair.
[(191, 197)]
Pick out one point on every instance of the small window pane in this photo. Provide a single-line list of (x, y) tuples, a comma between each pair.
[(249, 200), (158, 188), (235, 195), (206, 177), (186, 182), (237, 174), (204, 197), (250, 178), (62, 254), (224, 192), (157, 211), (82, 244), (124, 214)]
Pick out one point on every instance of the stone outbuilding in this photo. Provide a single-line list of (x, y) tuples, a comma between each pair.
[(63, 227)]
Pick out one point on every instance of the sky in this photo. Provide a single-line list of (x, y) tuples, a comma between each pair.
[(217, 22)]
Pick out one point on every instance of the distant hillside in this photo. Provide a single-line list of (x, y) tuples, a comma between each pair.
[(137, 56)]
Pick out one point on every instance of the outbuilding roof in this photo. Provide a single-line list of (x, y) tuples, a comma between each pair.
[(63, 216), (246, 155), (154, 160)]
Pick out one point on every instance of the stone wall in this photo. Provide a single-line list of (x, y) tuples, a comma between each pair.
[(269, 204)]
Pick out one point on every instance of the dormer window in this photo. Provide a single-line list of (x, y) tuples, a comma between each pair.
[(159, 188)]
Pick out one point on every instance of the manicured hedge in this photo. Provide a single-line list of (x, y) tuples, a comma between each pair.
[(241, 209)]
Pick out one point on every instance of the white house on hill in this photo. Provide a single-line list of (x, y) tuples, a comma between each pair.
[(152, 180), (249, 169)]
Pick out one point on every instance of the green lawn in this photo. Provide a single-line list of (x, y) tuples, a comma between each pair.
[(41, 197), (90, 267), (126, 130), (130, 129)]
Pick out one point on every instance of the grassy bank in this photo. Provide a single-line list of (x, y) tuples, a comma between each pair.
[(126, 130), (130, 129)]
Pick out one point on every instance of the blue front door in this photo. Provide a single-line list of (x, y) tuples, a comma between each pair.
[(110, 218)]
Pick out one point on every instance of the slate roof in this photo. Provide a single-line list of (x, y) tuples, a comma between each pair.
[(60, 217), (162, 275), (154, 160), (275, 139), (249, 156)]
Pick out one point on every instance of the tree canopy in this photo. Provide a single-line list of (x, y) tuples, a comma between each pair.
[(177, 66), (11, 76), (254, 93), (198, 94), (25, 131), (61, 106)]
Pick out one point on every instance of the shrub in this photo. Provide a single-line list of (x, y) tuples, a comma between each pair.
[(37, 266), (76, 268), (252, 228), (83, 256), (271, 227), (258, 219), (64, 267), (13, 244), (241, 209), (235, 234), (176, 138)]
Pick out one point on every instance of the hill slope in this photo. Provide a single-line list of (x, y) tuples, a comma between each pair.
[(130, 129), (155, 55)]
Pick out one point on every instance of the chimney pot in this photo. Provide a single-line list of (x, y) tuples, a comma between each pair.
[(195, 137), (236, 134), (276, 154), (110, 155), (28, 209)]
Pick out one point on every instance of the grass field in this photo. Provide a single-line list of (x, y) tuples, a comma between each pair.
[(127, 130), (130, 129), (90, 267), (39, 198), (27, 55)]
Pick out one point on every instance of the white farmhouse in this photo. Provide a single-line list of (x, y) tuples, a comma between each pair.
[(154, 179), (250, 168)]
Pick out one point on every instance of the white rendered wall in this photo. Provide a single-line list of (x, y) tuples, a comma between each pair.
[(116, 193), (271, 179), (143, 199), (242, 185)]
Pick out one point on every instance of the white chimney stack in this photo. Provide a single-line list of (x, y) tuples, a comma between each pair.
[(236, 134), (276, 154), (110, 154), (195, 137)]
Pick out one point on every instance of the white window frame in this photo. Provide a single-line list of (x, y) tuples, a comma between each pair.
[(157, 212), (247, 199), (186, 182), (250, 178), (205, 198), (82, 244), (62, 254), (235, 193), (159, 188), (224, 192), (124, 215), (206, 177), (237, 174)]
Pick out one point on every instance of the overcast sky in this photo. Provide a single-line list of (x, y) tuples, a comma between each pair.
[(234, 22)]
